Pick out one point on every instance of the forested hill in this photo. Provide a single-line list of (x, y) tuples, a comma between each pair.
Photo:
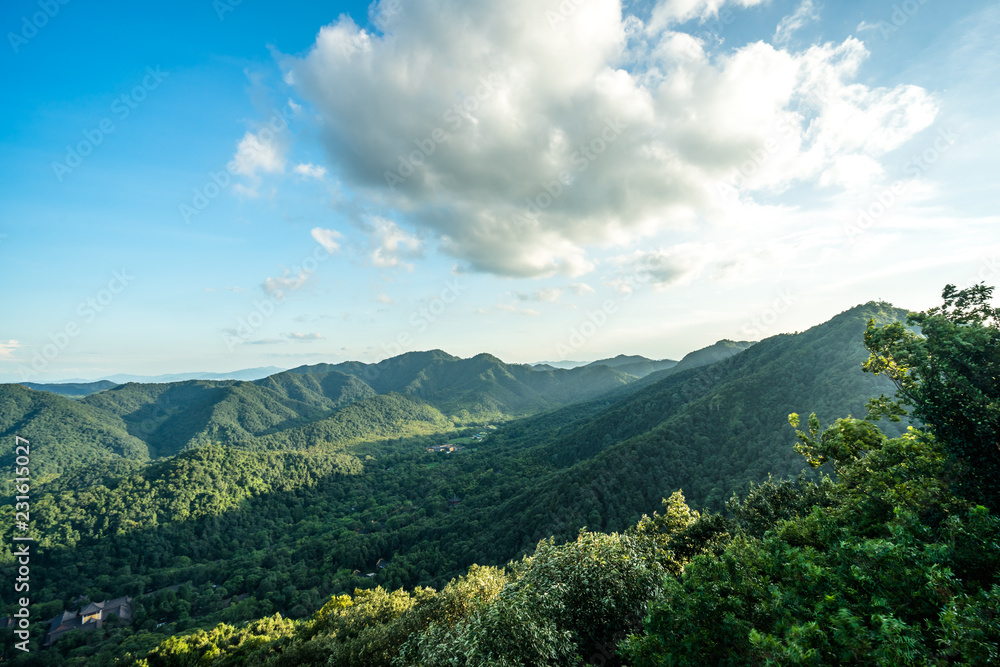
[(361, 494), (324, 405), (708, 431), (72, 388), (72, 431), (482, 385), (635, 365)]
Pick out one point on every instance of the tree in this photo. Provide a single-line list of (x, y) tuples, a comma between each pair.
[(949, 373), (890, 568)]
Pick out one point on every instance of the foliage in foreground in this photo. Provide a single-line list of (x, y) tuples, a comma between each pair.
[(564, 601), (897, 561)]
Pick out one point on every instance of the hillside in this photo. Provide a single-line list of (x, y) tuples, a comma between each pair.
[(69, 432), (636, 365), (71, 388), (708, 431), (425, 516), (479, 386), (331, 405)]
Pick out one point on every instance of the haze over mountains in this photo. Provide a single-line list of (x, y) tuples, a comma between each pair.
[(636, 365), (122, 378), (414, 393)]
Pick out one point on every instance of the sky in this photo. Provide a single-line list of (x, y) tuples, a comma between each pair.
[(214, 185)]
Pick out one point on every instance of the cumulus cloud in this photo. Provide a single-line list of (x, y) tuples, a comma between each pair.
[(389, 243), (7, 348), (523, 145), (327, 238), (310, 170), (258, 153)]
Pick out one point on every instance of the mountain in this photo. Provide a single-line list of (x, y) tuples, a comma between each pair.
[(71, 389), (636, 365), (711, 354), (620, 360), (246, 374), (323, 475), (63, 432), (321, 405), (708, 430), (479, 387), (558, 364)]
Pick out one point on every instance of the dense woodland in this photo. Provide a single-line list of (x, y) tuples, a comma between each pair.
[(865, 541)]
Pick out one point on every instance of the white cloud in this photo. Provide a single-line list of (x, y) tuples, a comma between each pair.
[(668, 12), (523, 145), (805, 14), (288, 282), (327, 238), (310, 170), (299, 336), (256, 154), (7, 348), (389, 243), (581, 288), (384, 298)]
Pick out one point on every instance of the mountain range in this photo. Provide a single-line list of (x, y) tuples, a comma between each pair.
[(122, 378), (283, 489), (339, 404)]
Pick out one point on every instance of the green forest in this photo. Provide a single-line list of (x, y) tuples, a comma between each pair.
[(827, 497)]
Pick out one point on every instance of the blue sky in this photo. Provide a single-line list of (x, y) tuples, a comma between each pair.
[(212, 186)]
